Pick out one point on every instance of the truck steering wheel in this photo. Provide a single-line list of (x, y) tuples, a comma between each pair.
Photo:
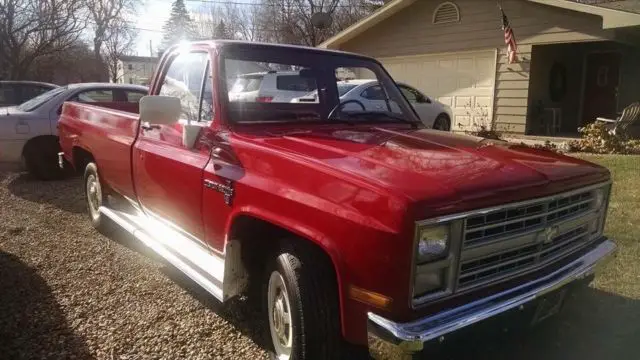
[(338, 108)]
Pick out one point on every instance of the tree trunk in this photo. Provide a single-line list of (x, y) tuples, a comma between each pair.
[(101, 67)]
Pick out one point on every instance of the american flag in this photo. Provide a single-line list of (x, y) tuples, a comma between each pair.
[(509, 38)]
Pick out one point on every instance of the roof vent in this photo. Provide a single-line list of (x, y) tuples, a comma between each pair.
[(447, 12)]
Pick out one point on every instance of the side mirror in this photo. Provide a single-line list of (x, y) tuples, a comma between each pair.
[(160, 110)]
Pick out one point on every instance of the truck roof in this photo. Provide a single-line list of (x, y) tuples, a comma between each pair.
[(241, 43)]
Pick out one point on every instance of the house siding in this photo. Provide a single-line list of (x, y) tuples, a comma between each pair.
[(411, 32)]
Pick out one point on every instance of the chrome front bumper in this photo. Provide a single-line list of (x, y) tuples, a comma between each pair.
[(388, 339)]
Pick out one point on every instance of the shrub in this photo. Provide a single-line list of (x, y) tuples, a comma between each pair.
[(596, 138), (481, 125), (485, 132)]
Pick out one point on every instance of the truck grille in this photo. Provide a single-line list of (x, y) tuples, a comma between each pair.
[(488, 227), (501, 264), (504, 229)]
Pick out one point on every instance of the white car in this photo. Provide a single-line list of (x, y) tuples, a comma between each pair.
[(432, 113), (270, 86), (29, 134)]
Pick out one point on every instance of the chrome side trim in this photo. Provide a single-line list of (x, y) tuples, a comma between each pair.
[(194, 260), (412, 335)]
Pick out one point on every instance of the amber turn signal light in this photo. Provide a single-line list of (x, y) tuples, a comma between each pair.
[(369, 297)]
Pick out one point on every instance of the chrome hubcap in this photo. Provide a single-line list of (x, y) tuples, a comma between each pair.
[(280, 325), (94, 196)]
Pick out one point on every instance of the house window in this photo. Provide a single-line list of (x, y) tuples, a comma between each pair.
[(130, 67), (447, 12)]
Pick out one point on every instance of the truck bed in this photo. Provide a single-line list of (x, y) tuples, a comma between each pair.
[(104, 132)]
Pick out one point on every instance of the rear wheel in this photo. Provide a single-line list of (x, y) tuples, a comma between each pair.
[(95, 199), (301, 300), (442, 123), (40, 157)]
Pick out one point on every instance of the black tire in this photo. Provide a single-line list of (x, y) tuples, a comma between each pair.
[(313, 298), (442, 123), (98, 220), (40, 157)]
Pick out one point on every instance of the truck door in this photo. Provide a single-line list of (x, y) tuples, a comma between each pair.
[(168, 176)]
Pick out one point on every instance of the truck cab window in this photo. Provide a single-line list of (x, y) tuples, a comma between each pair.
[(183, 80)]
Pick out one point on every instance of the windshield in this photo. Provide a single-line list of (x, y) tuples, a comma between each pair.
[(37, 101), (303, 85)]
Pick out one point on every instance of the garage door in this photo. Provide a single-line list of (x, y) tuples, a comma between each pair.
[(465, 81)]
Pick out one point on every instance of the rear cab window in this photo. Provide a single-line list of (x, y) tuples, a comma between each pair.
[(295, 83), (246, 83)]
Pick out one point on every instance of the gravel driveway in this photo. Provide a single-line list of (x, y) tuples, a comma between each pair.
[(67, 292)]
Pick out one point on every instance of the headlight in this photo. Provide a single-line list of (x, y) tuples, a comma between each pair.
[(433, 243)]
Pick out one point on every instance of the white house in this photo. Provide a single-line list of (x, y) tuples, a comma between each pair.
[(575, 62), (136, 69)]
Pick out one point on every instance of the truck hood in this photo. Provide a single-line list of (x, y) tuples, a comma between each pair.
[(430, 164)]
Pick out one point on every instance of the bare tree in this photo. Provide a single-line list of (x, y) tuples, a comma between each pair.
[(243, 21), (290, 21), (104, 17), (74, 64), (281, 21), (239, 22), (120, 40), (33, 29)]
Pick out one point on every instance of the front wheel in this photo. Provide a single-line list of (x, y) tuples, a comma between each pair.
[(301, 300)]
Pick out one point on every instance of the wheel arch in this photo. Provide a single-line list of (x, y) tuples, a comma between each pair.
[(243, 228), (80, 157), (34, 140)]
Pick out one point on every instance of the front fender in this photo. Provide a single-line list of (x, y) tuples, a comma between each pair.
[(355, 264)]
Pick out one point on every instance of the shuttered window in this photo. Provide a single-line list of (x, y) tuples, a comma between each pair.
[(446, 12)]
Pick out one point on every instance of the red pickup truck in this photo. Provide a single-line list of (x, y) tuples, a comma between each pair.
[(355, 227)]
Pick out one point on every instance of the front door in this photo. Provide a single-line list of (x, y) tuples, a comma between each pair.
[(168, 175), (601, 86)]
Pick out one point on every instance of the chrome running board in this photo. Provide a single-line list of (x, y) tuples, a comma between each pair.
[(197, 262)]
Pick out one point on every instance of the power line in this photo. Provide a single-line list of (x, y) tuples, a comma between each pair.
[(222, 2)]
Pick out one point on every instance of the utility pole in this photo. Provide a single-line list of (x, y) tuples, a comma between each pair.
[(150, 48)]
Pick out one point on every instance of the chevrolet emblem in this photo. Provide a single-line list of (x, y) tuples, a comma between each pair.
[(549, 234)]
